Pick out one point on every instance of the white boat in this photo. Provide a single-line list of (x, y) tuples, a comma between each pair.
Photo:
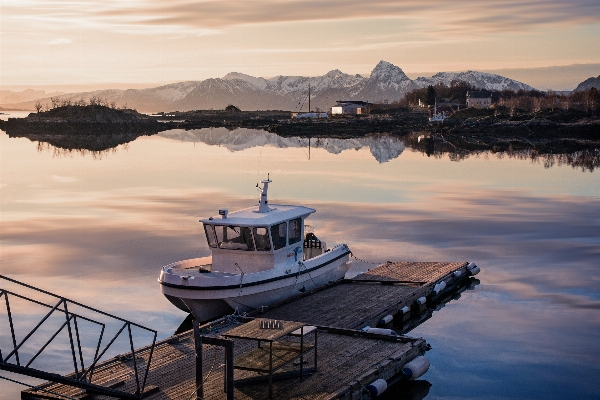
[(260, 256), (437, 117)]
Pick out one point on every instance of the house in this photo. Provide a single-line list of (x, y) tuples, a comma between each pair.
[(479, 99), (350, 107)]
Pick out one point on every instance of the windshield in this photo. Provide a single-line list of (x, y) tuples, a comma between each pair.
[(238, 237), (234, 237)]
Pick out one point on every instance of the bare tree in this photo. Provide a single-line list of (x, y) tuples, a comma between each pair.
[(38, 106), (55, 102)]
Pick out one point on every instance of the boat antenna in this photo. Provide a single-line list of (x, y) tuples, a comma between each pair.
[(263, 206)]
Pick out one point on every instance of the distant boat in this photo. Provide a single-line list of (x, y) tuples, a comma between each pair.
[(437, 117), (260, 256), (311, 115)]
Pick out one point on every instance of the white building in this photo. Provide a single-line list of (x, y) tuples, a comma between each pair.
[(479, 99), (349, 107)]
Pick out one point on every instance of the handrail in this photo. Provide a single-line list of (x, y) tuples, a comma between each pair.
[(81, 376)]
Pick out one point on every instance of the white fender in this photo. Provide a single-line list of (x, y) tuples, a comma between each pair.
[(416, 368), (381, 331), (377, 387), (439, 287)]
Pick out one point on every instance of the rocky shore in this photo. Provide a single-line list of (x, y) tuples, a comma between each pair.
[(83, 120)]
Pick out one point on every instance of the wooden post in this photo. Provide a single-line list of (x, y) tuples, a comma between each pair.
[(229, 369), (316, 330), (198, 343), (301, 352), (271, 369), (309, 97)]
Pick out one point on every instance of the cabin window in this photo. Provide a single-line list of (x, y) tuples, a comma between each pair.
[(278, 235), (234, 237), (210, 235), (295, 230), (261, 238)]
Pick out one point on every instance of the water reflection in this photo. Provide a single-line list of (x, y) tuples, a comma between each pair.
[(96, 146), (383, 147), (98, 232), (586, 158), (407, 390)]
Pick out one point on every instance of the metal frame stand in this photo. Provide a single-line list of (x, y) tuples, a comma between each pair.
[(199, 340)]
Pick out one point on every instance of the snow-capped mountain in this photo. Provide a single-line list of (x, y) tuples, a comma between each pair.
[(387, 82), (477, 79), (588, 84), (383, 148)]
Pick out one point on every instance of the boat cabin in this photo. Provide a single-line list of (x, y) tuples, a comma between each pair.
[(257, 238)]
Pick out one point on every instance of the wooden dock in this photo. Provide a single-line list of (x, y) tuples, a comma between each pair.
[(348, 359)]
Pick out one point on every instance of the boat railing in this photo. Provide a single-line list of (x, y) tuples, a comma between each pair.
[(313, 244)]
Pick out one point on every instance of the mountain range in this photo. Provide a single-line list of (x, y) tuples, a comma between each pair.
[(386, 83)]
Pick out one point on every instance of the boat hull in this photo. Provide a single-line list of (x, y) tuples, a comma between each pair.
[(207, 303)]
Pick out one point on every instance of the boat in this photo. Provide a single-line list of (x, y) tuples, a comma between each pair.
[(437, 117), (261, 255)]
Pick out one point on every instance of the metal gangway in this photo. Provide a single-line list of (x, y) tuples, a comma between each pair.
[(85, 360)]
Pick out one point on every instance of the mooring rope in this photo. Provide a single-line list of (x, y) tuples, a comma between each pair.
[(368, 262), (302, 266), (207, 375)]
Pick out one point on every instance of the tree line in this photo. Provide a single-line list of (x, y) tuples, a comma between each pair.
[(523, 100), (56, 102)]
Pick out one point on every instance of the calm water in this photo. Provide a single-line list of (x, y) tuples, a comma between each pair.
[(96, 227)]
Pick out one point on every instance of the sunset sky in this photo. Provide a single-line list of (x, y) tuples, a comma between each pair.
[(157, 41)]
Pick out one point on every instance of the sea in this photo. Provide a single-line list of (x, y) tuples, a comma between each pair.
[(94, 223)]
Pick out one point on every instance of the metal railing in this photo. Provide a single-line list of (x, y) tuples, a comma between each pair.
[(81, 376)]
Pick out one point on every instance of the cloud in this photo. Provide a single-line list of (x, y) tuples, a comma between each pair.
[(64, 179), (436, 14), (202, 17), (60, 41)]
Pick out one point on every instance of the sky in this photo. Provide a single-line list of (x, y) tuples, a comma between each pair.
[(68, 42)]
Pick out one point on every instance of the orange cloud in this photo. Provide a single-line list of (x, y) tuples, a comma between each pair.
[(208, 16)]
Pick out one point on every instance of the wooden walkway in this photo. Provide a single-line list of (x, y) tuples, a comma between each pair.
[(346, 363)]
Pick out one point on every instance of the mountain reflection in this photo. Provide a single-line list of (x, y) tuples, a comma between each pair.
[(383, 147)]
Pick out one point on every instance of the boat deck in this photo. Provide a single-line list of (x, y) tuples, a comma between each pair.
[(347, 359)]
